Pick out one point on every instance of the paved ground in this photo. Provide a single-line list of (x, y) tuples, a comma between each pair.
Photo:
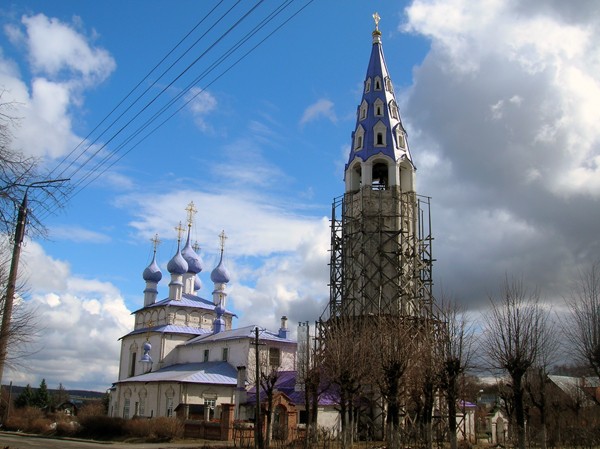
[(13, 440)]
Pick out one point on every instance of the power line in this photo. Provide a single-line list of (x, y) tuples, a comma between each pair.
[(169, 53), (110, 159)]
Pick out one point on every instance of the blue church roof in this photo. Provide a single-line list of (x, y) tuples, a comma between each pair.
[(170, 329), (378, 88), (242, 332), (187, 300), (219, 373)]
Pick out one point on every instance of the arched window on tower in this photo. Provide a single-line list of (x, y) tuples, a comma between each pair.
[(379, 134), (380, 176), (363, 110), (393, 110), (355, 174), (378, 105), (377, 83), (388, 84), (359, 136), (400, 140), (368, 85)]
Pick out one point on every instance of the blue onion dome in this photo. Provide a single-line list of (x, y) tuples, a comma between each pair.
[(220, 275), (193, 260), (177, 265), (197, 284), (152, 273), (146, 347)]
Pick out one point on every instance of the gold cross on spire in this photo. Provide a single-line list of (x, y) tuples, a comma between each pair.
[(196, 246), (155, 241), (191, 211), (180, 231), (376, 18), (222, 238)]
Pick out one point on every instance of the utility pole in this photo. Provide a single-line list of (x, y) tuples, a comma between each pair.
[(12, 282), (14, 266), (258, 437)]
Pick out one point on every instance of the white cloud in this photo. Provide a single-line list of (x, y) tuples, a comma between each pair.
[(78, 234), (502, 115), (81, 321), (64, 63), (323, 108), (201, 103), (55, 47)]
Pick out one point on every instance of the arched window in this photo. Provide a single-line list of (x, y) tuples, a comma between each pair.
[(393, 109), (379, 134), (388, 84), (377, 83), (379, 176), (359, 136), (400, 141), (363, 110), (368, 85), (378, 106)]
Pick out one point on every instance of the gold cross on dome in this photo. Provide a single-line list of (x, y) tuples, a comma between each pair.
[(376, 18), (191, 211), (179, 230), (155, 241), (195, 246), (222, 238)]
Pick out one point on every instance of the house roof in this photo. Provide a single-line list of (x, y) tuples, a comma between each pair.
[(246, 332), (171, 329), (187, 300), (577, 388), (221, 373), (286, 383)]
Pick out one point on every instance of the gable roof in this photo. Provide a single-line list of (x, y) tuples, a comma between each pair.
[(246, 332), (221, 373)]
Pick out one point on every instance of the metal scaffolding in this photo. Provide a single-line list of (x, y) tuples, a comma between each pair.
[(381, 255)]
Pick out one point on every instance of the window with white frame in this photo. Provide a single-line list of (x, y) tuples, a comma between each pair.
[(169, 406), (363, 110), (126, 405), (225, 354), (378, 107), (379, 132), (388, 84), (274, 357), (210, 404), (377, 83), (358, 138), (393, 109), (368, 85)]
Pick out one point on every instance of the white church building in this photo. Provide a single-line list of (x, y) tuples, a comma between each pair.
[(183, 356)]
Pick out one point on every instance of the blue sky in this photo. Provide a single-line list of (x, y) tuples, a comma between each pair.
[(501, 102)]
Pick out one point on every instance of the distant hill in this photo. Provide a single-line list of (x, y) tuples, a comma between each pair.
[(74, 394)]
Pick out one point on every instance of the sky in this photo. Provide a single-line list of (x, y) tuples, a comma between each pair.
[(501, 101)]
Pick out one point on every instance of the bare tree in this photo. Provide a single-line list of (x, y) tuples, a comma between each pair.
[(583, 326), (456, 344), (346, 365), (515, 329), (393, 344), (537, 376), (18, 174)]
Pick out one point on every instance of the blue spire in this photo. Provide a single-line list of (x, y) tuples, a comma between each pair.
[(379, 129)]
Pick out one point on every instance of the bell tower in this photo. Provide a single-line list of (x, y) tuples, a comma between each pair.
[(380, 228)]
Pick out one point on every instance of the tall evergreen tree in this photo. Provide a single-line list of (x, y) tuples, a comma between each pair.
[(25, 399), (41, 398)]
